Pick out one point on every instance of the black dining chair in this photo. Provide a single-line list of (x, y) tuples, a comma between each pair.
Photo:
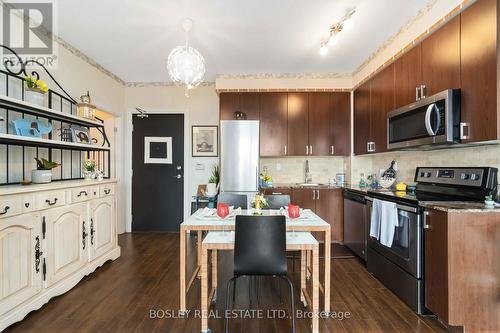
[(259, 250), (276, 201), (231, 199)]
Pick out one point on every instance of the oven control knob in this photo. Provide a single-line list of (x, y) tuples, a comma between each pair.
[(474, 176), (464, 176), (428, 174), (422, 174)]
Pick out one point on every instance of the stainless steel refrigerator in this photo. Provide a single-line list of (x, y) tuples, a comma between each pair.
[(239, 167)]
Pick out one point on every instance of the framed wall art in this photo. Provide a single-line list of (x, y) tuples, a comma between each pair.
[(205, 141)]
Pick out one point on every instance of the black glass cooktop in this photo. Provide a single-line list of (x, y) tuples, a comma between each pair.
[(415, 197)]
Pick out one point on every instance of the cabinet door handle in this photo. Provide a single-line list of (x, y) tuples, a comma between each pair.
[(51, 203), (107, 191), (38, 254), (285, 150), (92, 231), (417, 93), (5, 210), (82, 192), (374, 147), (84, 235), (317, 197), (314, 194), (27, 204), (307, 150), (462, 131), (310, 150), (422, 91), (332, 150)]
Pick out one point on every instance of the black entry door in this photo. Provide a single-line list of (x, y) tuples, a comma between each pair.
[(157, 183)]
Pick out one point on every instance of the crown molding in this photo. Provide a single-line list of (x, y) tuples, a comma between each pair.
[(267, 76), (162, 84)]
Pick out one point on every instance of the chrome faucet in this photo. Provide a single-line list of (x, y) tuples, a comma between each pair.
[(308, 176)]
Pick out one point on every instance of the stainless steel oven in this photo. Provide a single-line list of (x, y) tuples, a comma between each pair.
[(429, 121), (400, 266)]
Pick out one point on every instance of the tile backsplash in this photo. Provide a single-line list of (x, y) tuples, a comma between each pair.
[(292, 169), (408, 160)]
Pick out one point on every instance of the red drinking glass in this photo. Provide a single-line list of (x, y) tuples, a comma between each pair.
[(222, 210), (293, 211)]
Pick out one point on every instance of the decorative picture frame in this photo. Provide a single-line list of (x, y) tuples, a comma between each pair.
[(157, 150), (81, 135), (205, 141)]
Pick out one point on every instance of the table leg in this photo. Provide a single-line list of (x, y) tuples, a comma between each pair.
[(204, 290), (308, 264), (182, 270), (199, 245), (303, 276), (315, 298), (214, 272), (328, 254)]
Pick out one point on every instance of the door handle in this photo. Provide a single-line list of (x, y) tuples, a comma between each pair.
[(84, 235), (92, 231), (462, 131), (177, 176)]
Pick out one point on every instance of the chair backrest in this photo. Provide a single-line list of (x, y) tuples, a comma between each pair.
[(260, 245), (231, 199), (276, 201)]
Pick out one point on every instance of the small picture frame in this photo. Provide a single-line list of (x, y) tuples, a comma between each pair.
[(157, 150), (205, 141), (81, 135)]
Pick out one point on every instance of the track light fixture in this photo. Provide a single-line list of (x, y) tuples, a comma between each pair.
[(335, 29)]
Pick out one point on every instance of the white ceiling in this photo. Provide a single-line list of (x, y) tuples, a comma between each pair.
[(133, 38)]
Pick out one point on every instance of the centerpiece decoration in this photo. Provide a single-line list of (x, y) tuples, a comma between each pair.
[(43, 172), (89, 169), (35, 90), (259, 203)]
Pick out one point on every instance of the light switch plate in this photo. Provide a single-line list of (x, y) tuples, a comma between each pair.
[(200, 166)]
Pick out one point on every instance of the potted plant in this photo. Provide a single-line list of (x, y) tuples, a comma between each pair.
[(35, 90), (43, 172), (89, 169), (213, 181), (488, 201)]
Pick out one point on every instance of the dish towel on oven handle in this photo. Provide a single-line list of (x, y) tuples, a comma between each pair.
[(383, 221)]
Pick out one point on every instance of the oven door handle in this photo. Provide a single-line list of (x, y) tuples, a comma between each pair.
[(430, 109), (398, 206)]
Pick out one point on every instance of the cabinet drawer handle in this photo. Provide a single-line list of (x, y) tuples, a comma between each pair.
[(5, 210), (51, 203), (27, 204), (107, 191), (82, 192)]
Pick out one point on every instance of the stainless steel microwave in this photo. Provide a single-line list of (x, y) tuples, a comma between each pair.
[(434, 120)]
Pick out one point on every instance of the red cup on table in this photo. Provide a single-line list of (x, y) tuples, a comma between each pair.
[(222, 210), (293, 211)]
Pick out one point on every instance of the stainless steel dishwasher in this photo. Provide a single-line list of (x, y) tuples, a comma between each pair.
[(355, 222)]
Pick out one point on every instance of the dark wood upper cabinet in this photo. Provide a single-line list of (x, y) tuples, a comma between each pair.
[(228, 104), (273, 124), (320, 112), (382, 102), (479, 24), (249, 104), (298, 124), (441, 58), (362, 118), (407, 75), (340, 125), (231, 102)]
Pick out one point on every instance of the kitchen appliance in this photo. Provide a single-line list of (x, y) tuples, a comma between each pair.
[(431, 121), (355, 222), (239, 156), (400, 266)]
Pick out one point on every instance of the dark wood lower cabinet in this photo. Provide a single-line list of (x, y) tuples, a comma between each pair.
[(327, 204), (461, 268)]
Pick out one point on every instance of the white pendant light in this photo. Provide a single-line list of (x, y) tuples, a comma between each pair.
[(186, 66)]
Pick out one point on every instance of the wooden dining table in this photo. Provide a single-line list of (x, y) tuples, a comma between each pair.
[(199, 223)]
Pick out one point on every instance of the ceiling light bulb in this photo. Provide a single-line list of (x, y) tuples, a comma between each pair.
[(323, 50), (334, 39), (348, 23)]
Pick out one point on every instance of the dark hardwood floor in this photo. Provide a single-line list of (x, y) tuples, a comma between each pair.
[(119, 297)]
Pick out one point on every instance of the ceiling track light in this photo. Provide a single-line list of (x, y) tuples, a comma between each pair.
[(335, 30)]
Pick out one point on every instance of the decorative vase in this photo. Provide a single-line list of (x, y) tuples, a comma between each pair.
[(222, 210), (41, 176), (34, 97), (88, 175), (211, 189)]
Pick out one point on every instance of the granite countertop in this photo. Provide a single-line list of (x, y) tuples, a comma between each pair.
[(459, 206), (296, 185)]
